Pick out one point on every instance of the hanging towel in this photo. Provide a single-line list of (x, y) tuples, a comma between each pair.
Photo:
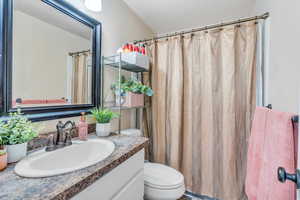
[(271, 145)]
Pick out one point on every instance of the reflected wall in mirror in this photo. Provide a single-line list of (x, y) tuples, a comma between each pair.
[(52, 58)]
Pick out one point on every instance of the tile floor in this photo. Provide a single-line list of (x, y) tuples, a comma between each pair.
[(189, 198), (196, 198)]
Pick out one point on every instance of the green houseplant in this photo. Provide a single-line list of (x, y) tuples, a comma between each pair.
[(130, 93), (103, 118), (15, 135)]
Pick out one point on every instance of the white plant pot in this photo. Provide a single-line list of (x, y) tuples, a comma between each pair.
[(103, 130), (16, 152)]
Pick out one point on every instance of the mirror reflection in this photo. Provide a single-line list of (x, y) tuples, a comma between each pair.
[(52, 61)]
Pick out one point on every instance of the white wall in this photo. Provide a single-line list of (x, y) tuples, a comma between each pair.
[(165, 16), (40, 52), (284, 67), (119, 25)]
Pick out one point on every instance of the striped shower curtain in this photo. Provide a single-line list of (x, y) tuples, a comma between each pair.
[(205, 95)]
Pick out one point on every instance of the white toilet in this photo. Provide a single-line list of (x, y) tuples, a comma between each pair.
[(161, 182)]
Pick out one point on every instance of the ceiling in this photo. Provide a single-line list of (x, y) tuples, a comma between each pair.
[(165, 16), (50, 15)]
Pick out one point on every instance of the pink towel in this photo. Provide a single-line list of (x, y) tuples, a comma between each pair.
[(271, 145)]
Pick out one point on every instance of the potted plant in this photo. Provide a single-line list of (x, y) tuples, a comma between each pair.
[(3, 156), (103, 118), (15, 134), (131, 92)]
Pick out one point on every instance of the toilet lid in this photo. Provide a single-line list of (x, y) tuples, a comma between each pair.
[(162, 176)]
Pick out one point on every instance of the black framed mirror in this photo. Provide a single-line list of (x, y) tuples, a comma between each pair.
[(50, 62)]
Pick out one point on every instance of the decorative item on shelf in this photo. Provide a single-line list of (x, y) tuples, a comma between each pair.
[(127, 48), (132, 92), (15, 134), (93, 5), (134, 55), (82, 127), (103, 118)]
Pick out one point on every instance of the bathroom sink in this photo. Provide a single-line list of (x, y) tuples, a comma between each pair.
[(79, 155)]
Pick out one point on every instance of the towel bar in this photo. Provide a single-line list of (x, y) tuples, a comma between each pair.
[(283, 176), (295, 119)]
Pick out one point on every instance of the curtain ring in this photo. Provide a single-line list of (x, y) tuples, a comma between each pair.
[(153, 40), (221, 26), (192, 32), (256, 18), (206, 29), (239, 23)]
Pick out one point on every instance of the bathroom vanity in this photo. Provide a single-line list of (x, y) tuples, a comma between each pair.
[(118, 177), (126, 181), (63, 54)]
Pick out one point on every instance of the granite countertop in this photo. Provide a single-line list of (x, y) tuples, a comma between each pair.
[(14, 187)]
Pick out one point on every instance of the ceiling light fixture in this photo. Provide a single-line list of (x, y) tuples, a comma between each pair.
[(93, 5)]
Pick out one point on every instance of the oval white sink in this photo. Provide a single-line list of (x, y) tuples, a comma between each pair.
[(77, 156)]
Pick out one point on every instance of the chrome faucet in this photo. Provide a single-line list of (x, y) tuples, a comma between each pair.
[(63, 136)]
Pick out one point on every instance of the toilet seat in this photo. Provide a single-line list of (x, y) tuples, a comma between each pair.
[(162, 177), (162, 182)]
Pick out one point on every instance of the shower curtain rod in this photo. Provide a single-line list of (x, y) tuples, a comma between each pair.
[(79, 52), (264, 16)]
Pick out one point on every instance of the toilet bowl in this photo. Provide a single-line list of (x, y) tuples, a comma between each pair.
[(160, 181)]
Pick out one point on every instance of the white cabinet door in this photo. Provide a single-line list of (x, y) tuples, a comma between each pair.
[(133, 190), (127, 176)]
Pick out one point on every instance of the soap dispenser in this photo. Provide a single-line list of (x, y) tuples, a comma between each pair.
[(82, 127)]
